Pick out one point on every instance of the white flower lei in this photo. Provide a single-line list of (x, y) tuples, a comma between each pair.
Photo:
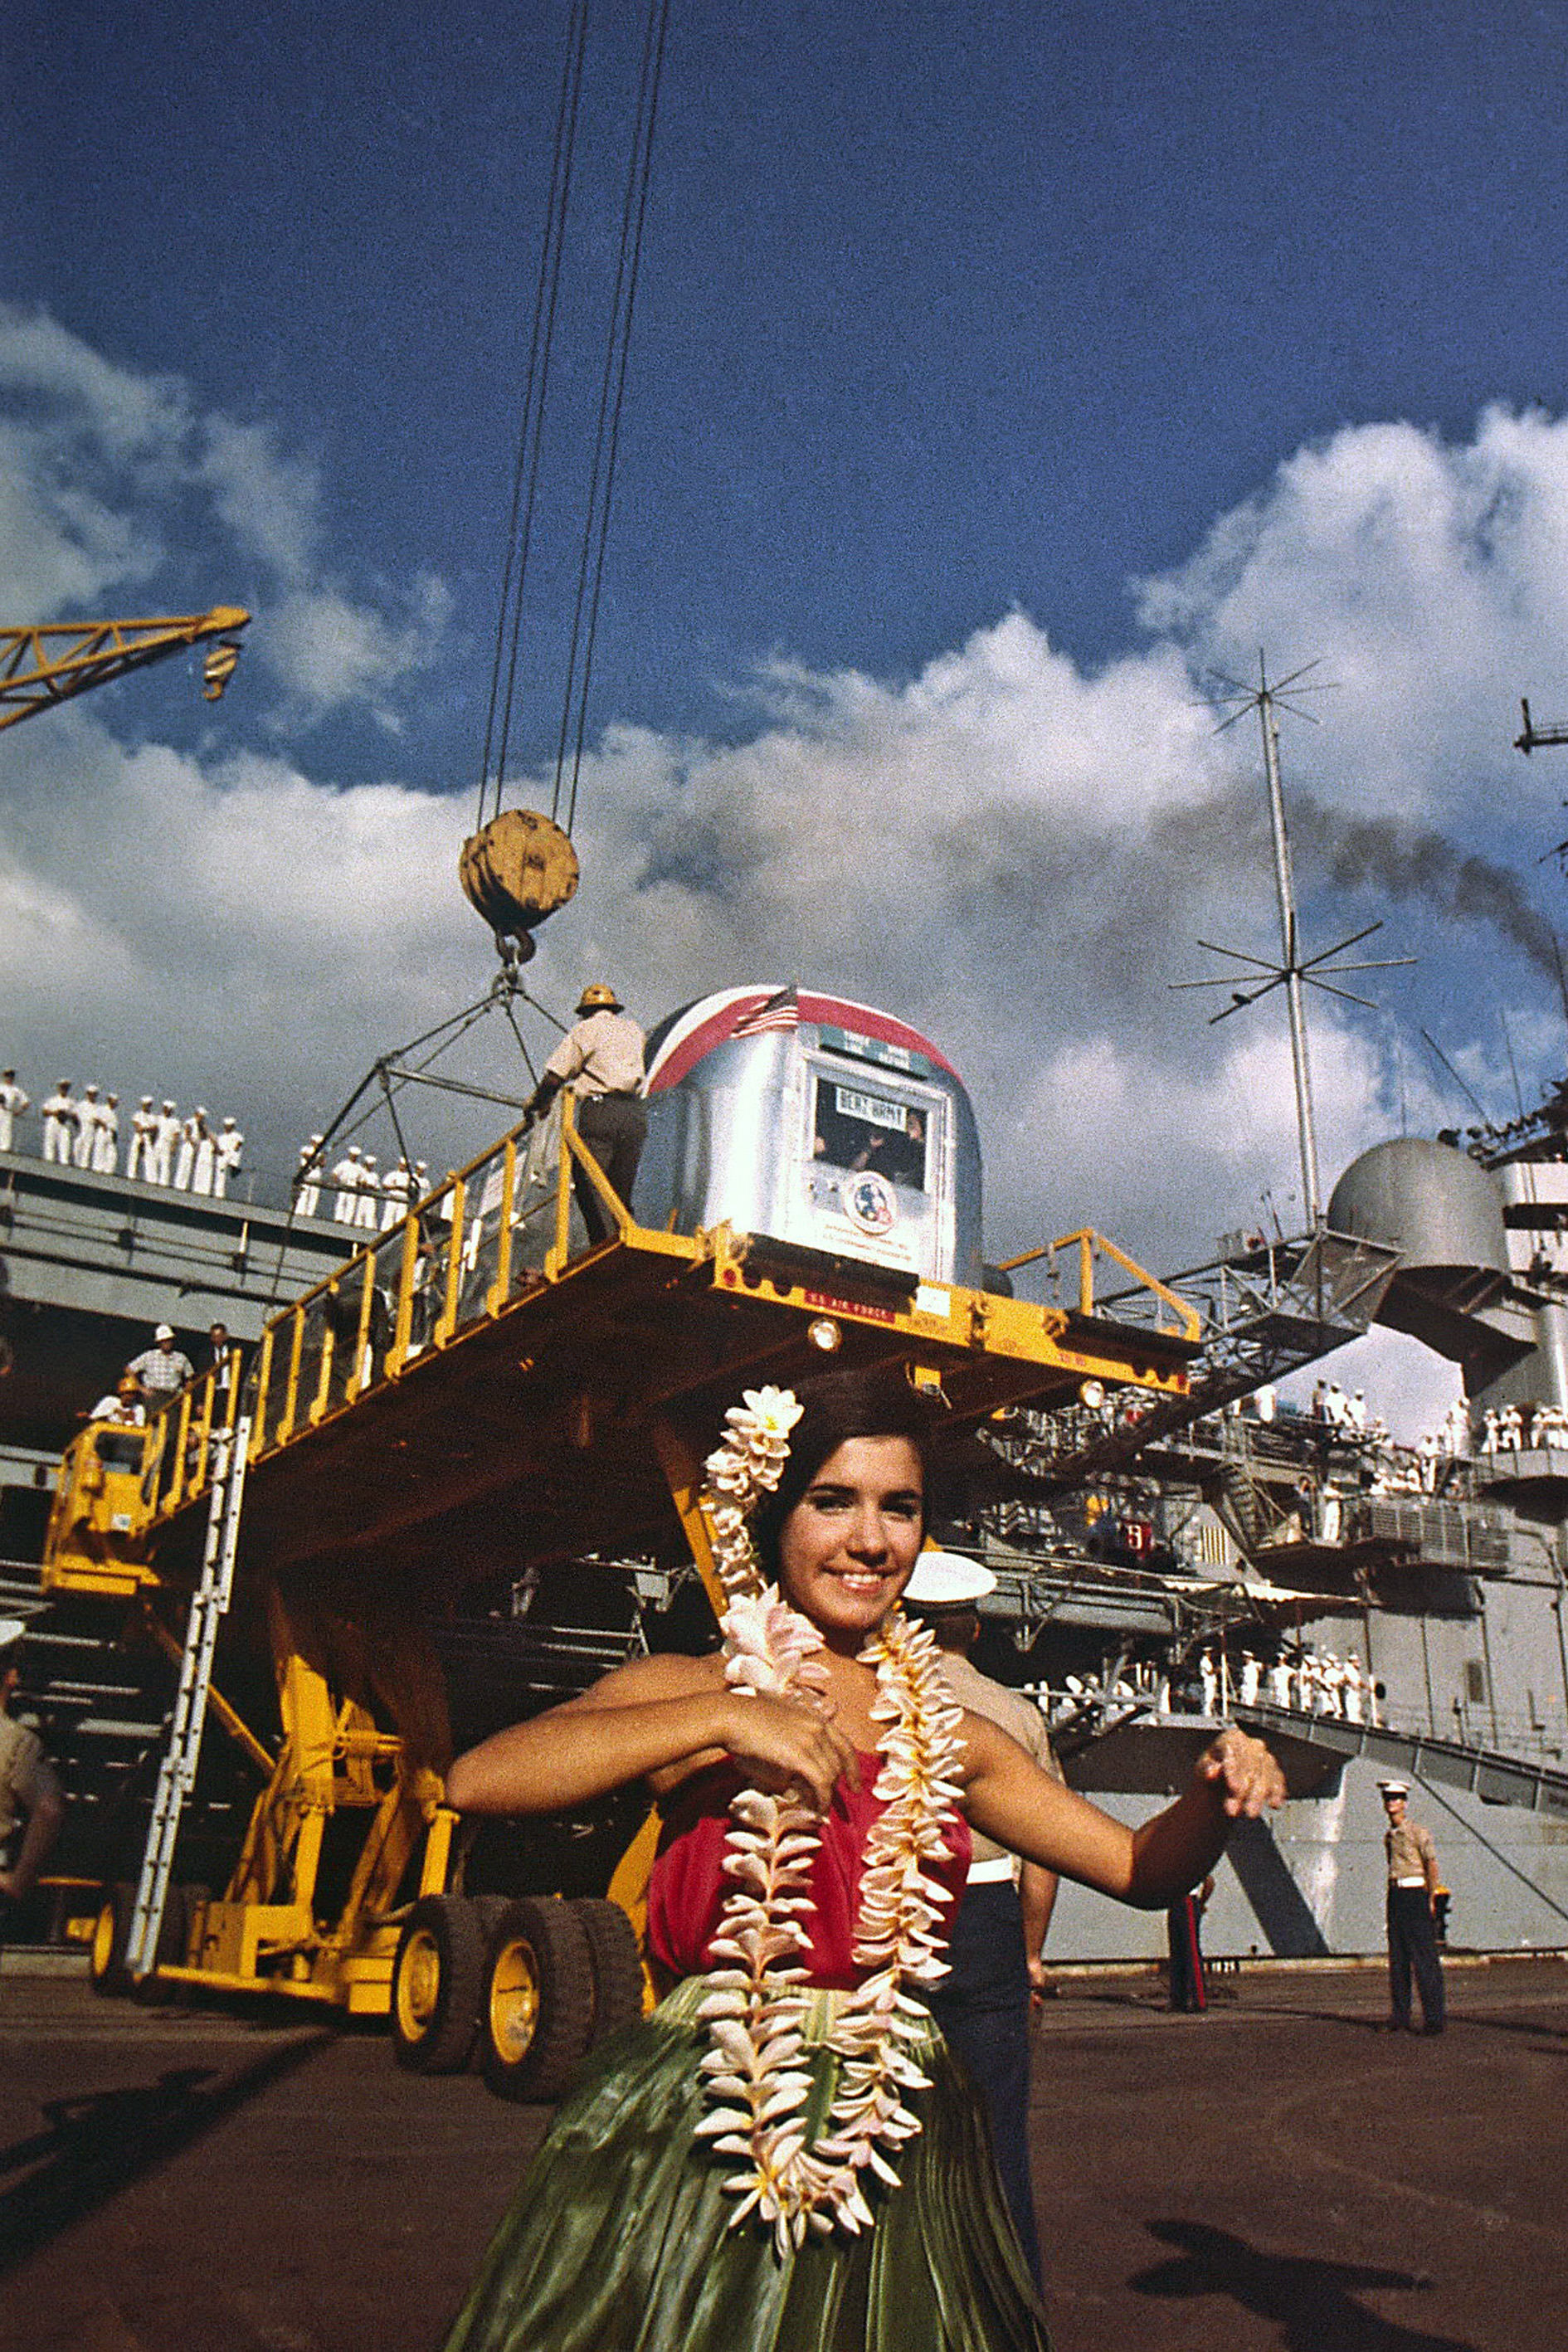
[(756, 2007)]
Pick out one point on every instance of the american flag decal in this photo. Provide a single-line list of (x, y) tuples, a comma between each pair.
[(781, 1011)]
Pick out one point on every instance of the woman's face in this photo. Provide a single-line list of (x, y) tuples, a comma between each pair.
[(847, 1550)]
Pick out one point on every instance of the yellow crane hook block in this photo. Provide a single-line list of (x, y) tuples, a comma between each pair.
[(218, 668), (516, 870)]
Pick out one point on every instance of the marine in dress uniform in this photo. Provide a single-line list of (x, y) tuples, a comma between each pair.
[(28, 1789), (600, 1060), (13, 1103), (1412, 1906), (994, 1949)]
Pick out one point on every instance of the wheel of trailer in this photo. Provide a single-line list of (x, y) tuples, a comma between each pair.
[(106, 1966), (617, 1964), (438, 1977), (537, 2017)]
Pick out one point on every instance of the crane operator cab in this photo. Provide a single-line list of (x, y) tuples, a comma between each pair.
[(817, 1121)]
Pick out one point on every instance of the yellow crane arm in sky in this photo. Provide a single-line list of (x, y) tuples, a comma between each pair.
[(41, 666)]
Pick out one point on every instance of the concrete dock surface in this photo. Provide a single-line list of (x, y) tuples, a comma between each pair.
[(1275, 2176)]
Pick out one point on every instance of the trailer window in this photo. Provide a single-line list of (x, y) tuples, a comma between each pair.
[(854, 1128)]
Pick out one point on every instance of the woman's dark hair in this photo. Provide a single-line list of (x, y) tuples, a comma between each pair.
[(837, 1408)]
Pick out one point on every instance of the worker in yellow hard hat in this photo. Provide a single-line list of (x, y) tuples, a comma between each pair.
[(600, 1059)]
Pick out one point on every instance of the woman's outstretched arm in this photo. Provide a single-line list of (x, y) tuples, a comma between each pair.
[(1011, 1799), (658, 1719)]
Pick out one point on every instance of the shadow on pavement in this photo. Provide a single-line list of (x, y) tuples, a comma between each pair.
[(99, 2144), (1311, 2300)]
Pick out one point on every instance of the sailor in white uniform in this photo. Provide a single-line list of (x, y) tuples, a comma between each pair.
[(143, 1128), (205, 1163), (106, 1138), (367, 1203), (13, 1103), (396, 1194), (191, 1131), (346, 1177), (59, 1123), (228, 1152), (158, 1165), (88, 1111), (307, 1181)]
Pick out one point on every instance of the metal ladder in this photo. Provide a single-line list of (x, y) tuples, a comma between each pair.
[(177, 1773)]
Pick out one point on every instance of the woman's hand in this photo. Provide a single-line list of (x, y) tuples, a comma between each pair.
[(781, 1743), (1242, 1773)]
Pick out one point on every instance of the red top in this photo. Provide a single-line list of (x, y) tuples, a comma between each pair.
[(687, 1889)]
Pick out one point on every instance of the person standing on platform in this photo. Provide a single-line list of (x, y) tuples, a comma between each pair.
[(1413, 1888), (367, 1205), (163, 1369), (144, 1128), (308, 1178), (1183, 1930), (229, 1151), (13, 1103), (29, 1789), (205, 1166), (600, 1060), (346, 1179), (88, 1111), (398, 1195), (59, 1123), (983, 2006), (158, 1165), (106, 1139)]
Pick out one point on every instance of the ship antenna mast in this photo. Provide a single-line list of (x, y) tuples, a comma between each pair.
[(1294, 972)]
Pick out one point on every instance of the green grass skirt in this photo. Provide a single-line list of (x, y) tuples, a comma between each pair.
[(619, 2239)]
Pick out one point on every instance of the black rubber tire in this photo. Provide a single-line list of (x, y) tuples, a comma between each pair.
[(107, 1972), (438, 1977), (537, 2016), (617, 1964)]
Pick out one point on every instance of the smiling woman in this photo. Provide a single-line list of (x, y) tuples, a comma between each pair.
[(785, 2158)]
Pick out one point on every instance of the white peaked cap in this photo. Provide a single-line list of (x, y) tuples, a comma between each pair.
[(945, 1580), (1394, 1788)]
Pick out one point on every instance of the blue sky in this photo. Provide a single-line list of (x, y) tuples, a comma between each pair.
[(995, 375)]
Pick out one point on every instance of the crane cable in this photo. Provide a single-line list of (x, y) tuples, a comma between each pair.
[(612, 395), (525, 473)]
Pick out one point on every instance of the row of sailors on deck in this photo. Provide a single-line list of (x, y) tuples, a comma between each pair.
[(364, 1196), (1512, 1429), (1312, 1682), (83, 1131)]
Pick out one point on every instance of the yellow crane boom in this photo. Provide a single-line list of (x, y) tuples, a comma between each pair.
[(42, 666)]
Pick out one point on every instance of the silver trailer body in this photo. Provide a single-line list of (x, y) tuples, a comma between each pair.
[(815, 1120)]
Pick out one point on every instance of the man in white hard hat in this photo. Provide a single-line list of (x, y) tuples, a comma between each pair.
[(163, 1369), (982, 2006), (1413, 1891), (600, 1059), (29, 1789)]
